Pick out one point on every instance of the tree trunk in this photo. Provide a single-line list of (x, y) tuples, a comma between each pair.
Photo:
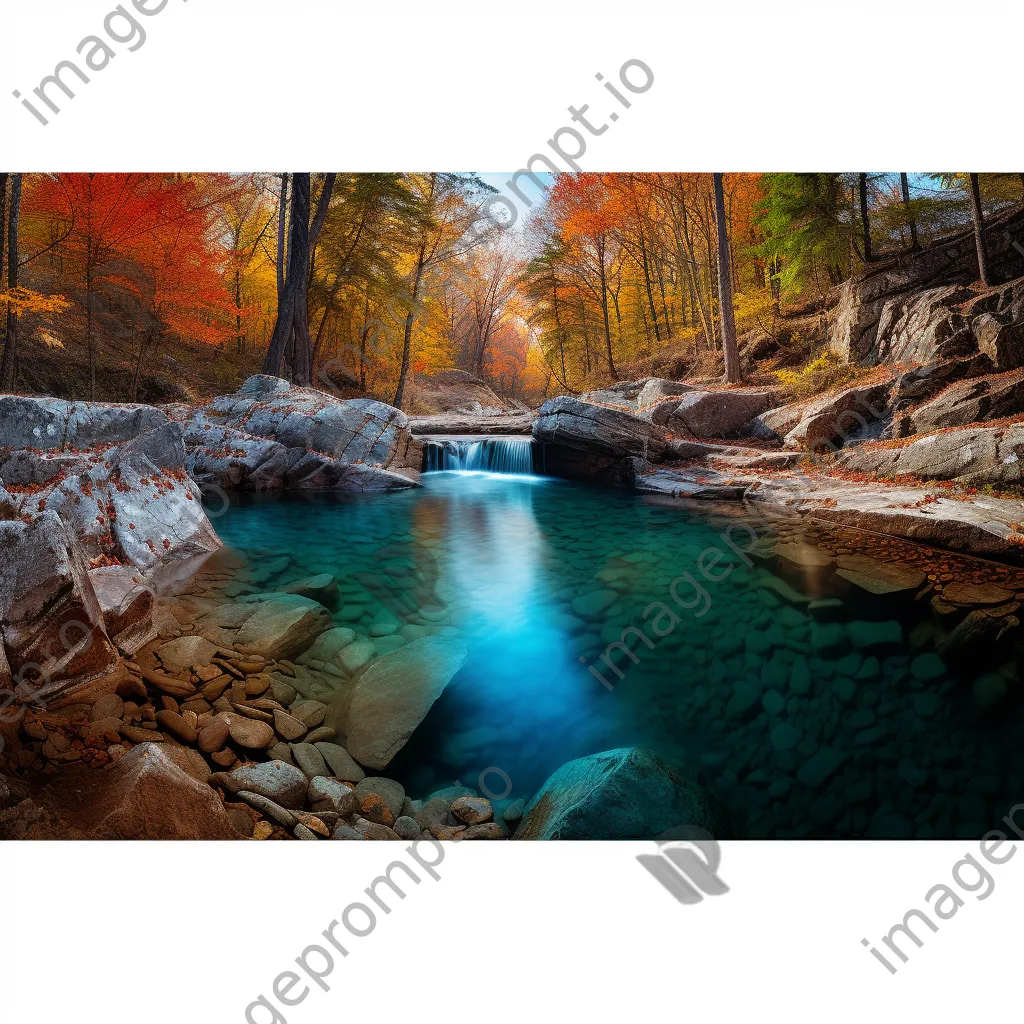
[(282, 221), (979, 230), (905, 187), (865, 221), (729, 349), (409, 321), (10, 355), (291, 333), (604, 308)]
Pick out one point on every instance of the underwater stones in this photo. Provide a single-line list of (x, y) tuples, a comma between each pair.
[(845, 689), (879, 577), (186, 652), (744, 697), (384, 623), (276, 780), (391, 793), (322, 588), (989, 690), (593, 603), (341, 762), (144, 794), (773, 702), (864, 635), (357, 654), (251, 734), (785, 737), (825, 762), (287, 727), (800, 676), (310, 760), (327, 645), (283, 626), (393, 695), (926, 667), (775, 672), (628, 793), (326, 794), (828, 638)]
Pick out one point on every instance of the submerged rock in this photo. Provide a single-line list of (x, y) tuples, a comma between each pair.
[(629, 793), (390, 699), (282, 626)]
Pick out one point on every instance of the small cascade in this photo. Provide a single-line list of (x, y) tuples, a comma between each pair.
[(479, 454)]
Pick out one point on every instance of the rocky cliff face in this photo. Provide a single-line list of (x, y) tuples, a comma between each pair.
[(923, 308), (99, 501)]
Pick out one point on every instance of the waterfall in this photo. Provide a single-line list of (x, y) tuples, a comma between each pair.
[(481, 454)]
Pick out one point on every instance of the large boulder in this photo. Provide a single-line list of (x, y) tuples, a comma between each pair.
[(708, 413), (233, 460), (588, 441), (143, 795), (657, 388), (323, 442), (136, 504), (969, 401), (826, 420), (375, 717), (51, 623), (50, 424), (978, 456), (629, 793)]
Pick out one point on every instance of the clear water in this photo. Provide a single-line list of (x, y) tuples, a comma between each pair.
[(499, 559)]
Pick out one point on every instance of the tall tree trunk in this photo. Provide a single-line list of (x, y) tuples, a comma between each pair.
[(905, 188), (729, 348), (10, 355), (647, 283), (363, 336), (282, 221), (979, 230), (865, 220), (604, 307), (409, 321), (291, 333)]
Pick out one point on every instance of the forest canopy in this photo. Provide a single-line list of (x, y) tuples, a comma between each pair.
[(137, 286)]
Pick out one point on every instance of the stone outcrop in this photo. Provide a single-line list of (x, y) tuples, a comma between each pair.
[(969, 401), (826, 420), (629, 793), (583, 440), (53, 425), (706, 414), (919, 308), (983, 455), (51, 622), (270, 435)]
